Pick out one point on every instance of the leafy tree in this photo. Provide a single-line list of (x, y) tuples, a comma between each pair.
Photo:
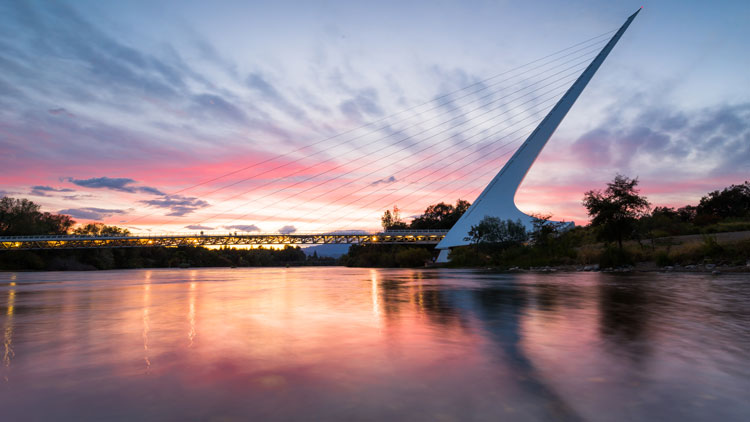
[(440, 216), (392, 221), (99, 229), (544, 232), (616, 210), (493, 230), (687, 213), (386, 220), (21, 217), (731, 202)]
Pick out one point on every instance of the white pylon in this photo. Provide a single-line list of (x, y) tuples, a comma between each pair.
[(498, 198)]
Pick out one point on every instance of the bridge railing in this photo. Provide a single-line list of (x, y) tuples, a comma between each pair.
[(215, 234)]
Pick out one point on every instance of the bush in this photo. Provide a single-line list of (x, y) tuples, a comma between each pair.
[(613, 257), (467, 257), (412, 257), (662, 259)]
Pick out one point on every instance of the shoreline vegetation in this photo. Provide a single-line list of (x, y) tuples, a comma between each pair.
[(625, 234)]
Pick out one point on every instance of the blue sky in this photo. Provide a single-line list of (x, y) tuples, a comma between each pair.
[(111, 108)]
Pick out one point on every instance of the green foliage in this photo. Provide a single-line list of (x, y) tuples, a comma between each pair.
[(412, 257), (99, 229), (387, 256), (613, 257), (663, 259), (158, 257), (492, 230), (21, 217), (616, 210), (727, 226), (731, 202), (440, 216), (711, 247), (392, 221), (468, 257)]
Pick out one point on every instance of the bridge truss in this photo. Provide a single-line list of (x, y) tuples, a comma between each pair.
[(423, 237)]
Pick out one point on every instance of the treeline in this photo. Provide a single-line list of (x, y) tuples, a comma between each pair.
[(624, 230), (156, 257), (21, 217), (440, 216), (387, 256)]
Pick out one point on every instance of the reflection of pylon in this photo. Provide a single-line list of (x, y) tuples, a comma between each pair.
[(497, 199)]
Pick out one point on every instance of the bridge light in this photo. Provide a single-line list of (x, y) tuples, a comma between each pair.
[(374, 238)]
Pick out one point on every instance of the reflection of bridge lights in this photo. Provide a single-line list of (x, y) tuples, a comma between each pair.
[(375, 296), (146, 322), (8, 329)]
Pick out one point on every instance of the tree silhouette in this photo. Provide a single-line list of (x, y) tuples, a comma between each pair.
[(616, 210)]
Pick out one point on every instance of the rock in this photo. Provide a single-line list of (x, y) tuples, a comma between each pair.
[(715, 272), (710, 266), (668, 268), (690, 267)]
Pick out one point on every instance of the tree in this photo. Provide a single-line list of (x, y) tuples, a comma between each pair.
[(440, 216), (616, 210), (392, 221), (544, 231), (493, 230), (731, 202), (99, 229), (386, 220), (21, 217)]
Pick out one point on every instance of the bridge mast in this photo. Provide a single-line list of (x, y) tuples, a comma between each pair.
[(497, 199)]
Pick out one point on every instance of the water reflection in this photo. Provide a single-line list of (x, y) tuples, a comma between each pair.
[(8, 327), (344, 344), (191, 312), (146, 321), (624, 312)]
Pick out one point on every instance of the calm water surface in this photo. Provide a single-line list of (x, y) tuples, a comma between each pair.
[(360, 344)]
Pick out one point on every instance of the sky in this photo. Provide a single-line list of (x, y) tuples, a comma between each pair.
[(318, 116)]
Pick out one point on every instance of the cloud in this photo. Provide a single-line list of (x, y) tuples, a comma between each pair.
[(258, 83), (364, 104), (244, 228), (121, 184), (387, 180), (219, 108), (708, 141), (90, 213), (199, 227), (77, 197), (60, 112), (178, 205), (287, 230), (43, 190)]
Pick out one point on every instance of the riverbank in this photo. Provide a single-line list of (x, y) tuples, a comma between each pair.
[(641, 267), (157, 257)]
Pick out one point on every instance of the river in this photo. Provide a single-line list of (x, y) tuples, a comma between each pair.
[(350, 344)]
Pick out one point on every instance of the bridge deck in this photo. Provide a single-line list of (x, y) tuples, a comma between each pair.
[(425, 237)]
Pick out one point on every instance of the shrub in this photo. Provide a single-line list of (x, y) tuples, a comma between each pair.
[(662, 259), (412, 257), (615, 257)]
